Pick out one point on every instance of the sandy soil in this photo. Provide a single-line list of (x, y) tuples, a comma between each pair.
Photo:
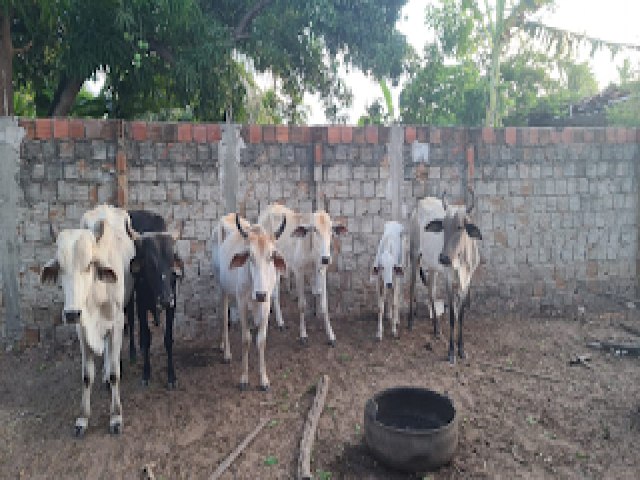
[(524, 411)]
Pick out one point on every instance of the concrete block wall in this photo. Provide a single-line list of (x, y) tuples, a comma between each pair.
[(557, 207)]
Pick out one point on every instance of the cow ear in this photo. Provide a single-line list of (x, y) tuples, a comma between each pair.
[(339, 229), (239, 259), (105, 274), (50, 271), (178, 266), (136, 265), (434, 226), (300, 231), (472, 230), (399, 270), (279, 262)]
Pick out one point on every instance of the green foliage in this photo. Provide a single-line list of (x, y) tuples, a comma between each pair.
[(193, 56), (271, 460), (626, 113)]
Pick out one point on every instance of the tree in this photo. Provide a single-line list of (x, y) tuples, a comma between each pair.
[(627, 111), (163, 54)]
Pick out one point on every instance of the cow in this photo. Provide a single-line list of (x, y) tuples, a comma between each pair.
[(306, 246), (155, 268), (460, 257), (424, 248), (245, 263), (388, 267), (90, 267)]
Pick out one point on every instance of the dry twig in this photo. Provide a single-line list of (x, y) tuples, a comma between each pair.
[(309, 433)]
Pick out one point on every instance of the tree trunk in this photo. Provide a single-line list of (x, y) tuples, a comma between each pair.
[(492, 118), (64, 97), (6, 64)]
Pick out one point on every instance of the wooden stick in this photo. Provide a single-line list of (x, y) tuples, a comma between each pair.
[(233, 455), (617, 348), (522, 372), (309, 433)]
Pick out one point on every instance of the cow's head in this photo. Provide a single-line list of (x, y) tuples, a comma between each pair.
[(261, 257), (387, 269), (78, 266), (157, 264), (459, 231), (321, 230)]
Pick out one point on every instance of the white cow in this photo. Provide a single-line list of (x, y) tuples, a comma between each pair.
[(460, 258), (245, 263), (306, 246), (387, 267), (90, 267), (424, 248)]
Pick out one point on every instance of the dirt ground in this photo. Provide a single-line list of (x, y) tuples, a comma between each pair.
[(524, 411)]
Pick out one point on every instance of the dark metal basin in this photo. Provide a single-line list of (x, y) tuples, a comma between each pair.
[(411, 429)]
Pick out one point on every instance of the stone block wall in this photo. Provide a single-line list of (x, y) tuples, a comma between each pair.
[(557, 207)]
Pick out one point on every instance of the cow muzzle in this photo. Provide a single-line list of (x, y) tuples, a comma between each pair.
[(444, 260), (261, 297), (72, 316), (325, 260)]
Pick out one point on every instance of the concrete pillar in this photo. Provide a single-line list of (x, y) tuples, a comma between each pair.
[(396, 171), (10, 139), (229, 149)]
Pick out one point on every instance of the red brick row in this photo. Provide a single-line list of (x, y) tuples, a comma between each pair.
[(62, 128)]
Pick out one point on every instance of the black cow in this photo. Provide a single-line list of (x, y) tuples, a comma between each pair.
[(155, 269)]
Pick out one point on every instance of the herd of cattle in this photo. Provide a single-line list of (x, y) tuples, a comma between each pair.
[(121, 262)]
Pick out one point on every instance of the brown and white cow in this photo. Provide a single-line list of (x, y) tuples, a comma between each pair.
[(306, 246), (90, 267), (245, 263), (460, 257)]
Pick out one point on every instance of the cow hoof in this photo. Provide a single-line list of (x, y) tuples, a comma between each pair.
[(145, 382), (171, 385), (462, 355), (378, 338), (226, 361), (115, 428), (396, 336), (133, 359), (452, 359), (331, 343), (244, 386), (79, 431), (281, 328), (304, 341), (264, 388), (107, 386)]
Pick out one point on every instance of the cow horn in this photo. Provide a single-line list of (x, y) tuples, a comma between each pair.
[(133, 235), (98, 229), (281, 228), (444, 200), (242, 232), (471, 206), (53, 231)]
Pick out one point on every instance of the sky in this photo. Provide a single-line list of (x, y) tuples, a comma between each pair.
[(612, 20)]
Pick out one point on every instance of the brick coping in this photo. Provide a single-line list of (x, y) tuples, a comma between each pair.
[(200, 133)]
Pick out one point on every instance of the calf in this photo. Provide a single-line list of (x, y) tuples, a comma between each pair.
[(306, 245), (90, 267), (387, 267), (245, 262), (460, 257), (155, 268), (424, 248)]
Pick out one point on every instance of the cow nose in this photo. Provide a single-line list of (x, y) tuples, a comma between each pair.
[(72, 316), (325, 260), (389, 285), (444, 259), (261, 297)]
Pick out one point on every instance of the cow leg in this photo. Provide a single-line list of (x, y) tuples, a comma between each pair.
[(106, 366), (246, 344), (88, 374), (380, 310), (224, 346), (156, 315), (432, 303), (275, 302), (412, 293), (131, 323), (170, 313), (115, 420), (302, 304), (324, 308), (261, 342), (395, 311), (145, 341), (452, 321), (461, 352)]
